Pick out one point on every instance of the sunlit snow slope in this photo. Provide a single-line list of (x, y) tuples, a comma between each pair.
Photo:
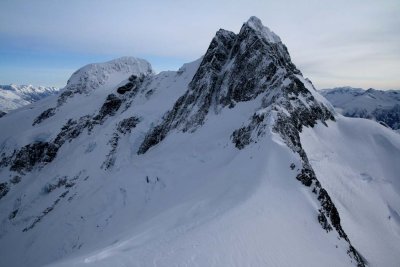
[(358, 163), (221, 163)]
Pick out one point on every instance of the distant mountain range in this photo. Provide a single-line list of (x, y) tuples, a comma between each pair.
[(15, 96), (381, 106)]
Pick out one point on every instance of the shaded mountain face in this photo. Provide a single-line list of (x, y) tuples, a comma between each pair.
[(209, 165), (240, 68), (378, 105), (15, 96)]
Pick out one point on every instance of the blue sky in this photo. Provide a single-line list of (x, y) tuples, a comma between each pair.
[(334, 43)]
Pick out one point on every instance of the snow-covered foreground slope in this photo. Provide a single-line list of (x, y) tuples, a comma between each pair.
[(357, 161), (378, 105), (243, 209), (211, 165), (15, 96)]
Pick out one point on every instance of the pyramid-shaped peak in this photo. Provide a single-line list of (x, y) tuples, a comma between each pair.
[(263, 31)]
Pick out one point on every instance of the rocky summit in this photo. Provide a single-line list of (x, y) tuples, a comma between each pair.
[(233, 160)]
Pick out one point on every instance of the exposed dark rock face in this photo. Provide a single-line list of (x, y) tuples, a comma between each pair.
[(41, 153), (132, 78), (4, 188), (109, 108), (191, 109), (6, 160), (13, 214), (134, 82), (292, 166), (32, 154), (235, 68), (160, 131), (125, 88), (257, 62), (45, 212), (111, 158), (67, 94), (72, 129), (242, 136), (61, 182), (324, 221), (239, 68), (124, 127), (2, 113), (62, 98), (44, 152), (44, 115)]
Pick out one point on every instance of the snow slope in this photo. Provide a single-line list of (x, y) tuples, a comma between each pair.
[(252, 212), (358, 163), (211, 165), (378, 105), (14, 96)]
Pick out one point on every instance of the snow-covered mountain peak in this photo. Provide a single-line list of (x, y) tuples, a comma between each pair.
[(244, 67), (100, 71), (256, 24), (93, 76)]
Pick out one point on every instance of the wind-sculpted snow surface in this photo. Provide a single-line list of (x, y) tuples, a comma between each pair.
[(205, 166)]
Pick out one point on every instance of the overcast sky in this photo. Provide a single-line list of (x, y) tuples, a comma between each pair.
[(334, 43)]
